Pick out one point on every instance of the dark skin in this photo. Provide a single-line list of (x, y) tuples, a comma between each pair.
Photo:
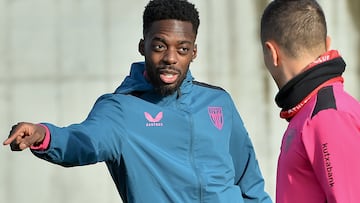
[(23, 135), (168, 47)]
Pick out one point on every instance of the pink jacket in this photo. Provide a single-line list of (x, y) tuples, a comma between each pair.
[(319, 153)]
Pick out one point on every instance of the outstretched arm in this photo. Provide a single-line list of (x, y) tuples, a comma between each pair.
[(24, 135), (98, 138)]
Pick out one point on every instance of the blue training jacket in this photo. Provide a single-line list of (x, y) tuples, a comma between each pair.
[(187, 147)]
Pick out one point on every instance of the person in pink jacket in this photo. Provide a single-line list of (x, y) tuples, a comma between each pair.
[(319, 159)]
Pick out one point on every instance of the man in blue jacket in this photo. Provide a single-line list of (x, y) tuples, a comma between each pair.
[(163, 136)]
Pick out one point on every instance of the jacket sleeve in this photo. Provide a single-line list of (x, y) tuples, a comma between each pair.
[(331, 140), (247, 171), (96, 139)]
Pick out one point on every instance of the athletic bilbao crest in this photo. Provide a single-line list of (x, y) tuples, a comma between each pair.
[(216, 116)]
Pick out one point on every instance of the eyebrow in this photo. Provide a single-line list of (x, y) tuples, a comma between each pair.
[(164, 41)]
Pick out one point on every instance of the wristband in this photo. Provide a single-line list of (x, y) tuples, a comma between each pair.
[(45, 143)]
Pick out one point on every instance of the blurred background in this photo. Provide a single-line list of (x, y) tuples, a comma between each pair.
[(58, 56)]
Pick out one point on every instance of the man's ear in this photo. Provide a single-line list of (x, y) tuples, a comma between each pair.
[(328, 43), (273, 50), (141, 47), (194, 54)]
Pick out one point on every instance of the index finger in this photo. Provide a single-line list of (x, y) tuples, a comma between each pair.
[(9, 140), (13, 134)]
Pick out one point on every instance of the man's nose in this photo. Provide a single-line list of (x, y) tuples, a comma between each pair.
[(170, 56)]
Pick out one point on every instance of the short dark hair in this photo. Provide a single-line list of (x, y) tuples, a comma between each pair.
[(181, 10), (296, 25)]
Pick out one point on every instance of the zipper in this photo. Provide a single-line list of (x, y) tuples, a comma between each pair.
[(192, 159)]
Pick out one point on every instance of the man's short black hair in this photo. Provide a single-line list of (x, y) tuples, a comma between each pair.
[(295, 25), (170, 9)]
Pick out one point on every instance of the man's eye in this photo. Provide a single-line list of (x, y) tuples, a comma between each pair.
[(158, 47), (184, 50)]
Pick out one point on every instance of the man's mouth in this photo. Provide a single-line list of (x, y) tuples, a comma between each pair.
[(168, 78)]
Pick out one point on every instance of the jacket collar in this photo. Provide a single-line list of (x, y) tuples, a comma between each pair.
[(298, 88)]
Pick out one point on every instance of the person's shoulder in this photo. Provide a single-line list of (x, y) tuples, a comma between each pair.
[(206, 85), (209, 89), (334, 97), (111, 97)]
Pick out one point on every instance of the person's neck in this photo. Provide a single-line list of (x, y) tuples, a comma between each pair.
[(294, 66)]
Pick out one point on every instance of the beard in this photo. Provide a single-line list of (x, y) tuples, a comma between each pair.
[(164, 89)]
